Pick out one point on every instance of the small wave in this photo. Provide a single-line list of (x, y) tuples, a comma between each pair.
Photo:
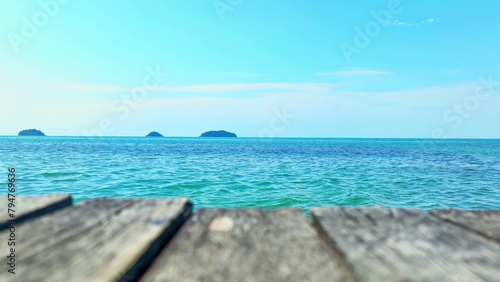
[(57, 174), (65, 180)]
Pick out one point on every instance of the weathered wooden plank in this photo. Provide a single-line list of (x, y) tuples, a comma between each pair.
[(246, 245), (485, 222), (29, 207), (99, 240), (381, 244)]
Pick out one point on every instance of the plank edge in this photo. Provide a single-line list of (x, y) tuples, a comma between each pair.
[(66, 201), (140, 267), (339, 257), (470, 229)]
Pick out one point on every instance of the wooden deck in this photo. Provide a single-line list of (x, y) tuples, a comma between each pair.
[(161, 240)]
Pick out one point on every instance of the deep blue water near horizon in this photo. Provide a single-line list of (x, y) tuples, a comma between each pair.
[(261, 172)]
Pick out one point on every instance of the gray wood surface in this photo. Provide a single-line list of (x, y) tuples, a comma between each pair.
[(98, 240), (484, 222), (381, 244), (246, 245), (29, 207)]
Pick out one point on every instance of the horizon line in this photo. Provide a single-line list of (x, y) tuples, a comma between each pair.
[(256, 137)]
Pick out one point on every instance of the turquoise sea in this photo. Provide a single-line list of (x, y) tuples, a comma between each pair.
[(261, 172)]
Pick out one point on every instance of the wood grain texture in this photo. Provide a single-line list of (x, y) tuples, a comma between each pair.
[(246, 245), (98, 240), (381, 244), (29, 207), (484, 222)]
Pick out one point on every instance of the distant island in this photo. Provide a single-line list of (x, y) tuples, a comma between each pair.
[(220, 133), (154, 134), (31, 132)]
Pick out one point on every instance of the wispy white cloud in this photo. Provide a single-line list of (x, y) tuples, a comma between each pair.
[(400, 23), (209, 88), (353, 72), (236, 74), (91, 87), (407, 112), (431, 20)]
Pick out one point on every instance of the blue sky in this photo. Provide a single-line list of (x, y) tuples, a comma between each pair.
[(293, 68)]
